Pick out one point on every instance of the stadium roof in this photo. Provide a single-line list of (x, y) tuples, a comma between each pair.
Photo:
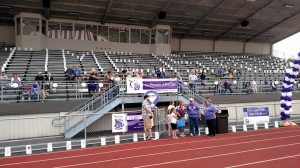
[(269, 20)]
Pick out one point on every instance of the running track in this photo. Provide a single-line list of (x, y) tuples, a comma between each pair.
[(264, 148)]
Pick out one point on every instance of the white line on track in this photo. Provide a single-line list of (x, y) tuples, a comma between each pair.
[(213, 156), (177, 151), (147, 147), (264, 161), (128, 144)]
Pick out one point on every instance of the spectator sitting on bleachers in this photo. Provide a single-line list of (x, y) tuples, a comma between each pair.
[(157, 71), (108, 79), (254, 86), (238, 74), (84, 76), (3, 80), (48, 84), (16, 79), (26, 91), (230, 75), (203, 75), (227, 86), (77, 74), (36, 90), (93, 79), (225, 74), (221, 72), (247, 87), (69, 73), (39, 77), (163, 71), (273, 85)]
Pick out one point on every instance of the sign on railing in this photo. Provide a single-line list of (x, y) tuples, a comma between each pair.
[(139, 85)]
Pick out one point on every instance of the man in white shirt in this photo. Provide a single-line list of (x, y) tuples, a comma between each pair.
[(192, 81)]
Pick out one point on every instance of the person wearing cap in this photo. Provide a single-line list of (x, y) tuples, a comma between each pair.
[(147, 116), (210, 116), (194, 113)]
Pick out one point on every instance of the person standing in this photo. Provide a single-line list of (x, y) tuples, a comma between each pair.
[(172, 105), (181, 109), (147, 116), (210, 116), (194, 113), (173, 122), (192, 81)]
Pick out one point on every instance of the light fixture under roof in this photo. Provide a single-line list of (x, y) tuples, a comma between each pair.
[(133, 19), (5, 6), (269, 37), (75, 13), (206, 32), (288, 5)]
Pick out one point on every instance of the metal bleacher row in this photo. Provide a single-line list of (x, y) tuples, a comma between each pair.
[(28, 63)]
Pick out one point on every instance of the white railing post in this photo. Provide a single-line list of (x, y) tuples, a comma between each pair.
[(46, 60), (64, 59)]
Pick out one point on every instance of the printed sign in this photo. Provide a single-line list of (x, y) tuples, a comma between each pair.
[(119, 123), (127, 122), (256, 115), (135, 121), (139, 85)]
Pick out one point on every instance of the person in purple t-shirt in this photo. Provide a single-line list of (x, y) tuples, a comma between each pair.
[(194, 113), (210, 116)]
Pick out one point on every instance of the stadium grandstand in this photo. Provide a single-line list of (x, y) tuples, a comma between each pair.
[(74, 74)]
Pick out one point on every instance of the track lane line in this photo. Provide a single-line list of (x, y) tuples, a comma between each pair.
[(236, 134), (148, 147), (170, 152), (206, 157), (88, 152), (264, 161)]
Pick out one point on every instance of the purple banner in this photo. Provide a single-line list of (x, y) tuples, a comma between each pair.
[(256, 111), (135, 121), (157, 85)]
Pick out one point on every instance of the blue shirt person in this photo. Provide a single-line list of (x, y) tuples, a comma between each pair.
[(210, 116), (194, 113)]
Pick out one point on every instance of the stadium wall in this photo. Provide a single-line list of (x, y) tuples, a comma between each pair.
[(7, 34), (203, 45), (40, 125)]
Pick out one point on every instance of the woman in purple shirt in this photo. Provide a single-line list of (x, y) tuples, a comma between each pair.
[(210, 117)]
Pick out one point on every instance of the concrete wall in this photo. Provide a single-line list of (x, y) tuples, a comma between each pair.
[(7, 34), (203, 45), (39, 125)]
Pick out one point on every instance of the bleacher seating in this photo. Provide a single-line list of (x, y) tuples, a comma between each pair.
[(253, 67)]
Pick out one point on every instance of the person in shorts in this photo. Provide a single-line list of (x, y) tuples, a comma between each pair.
[(174, 123), (147, 116)]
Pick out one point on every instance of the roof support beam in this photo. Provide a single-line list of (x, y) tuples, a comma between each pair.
[(155, 19), (46, 9), (202, 19), (271, 27), (252, 14), (104, 18)]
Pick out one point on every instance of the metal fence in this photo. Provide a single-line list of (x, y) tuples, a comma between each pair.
[(17, 132)]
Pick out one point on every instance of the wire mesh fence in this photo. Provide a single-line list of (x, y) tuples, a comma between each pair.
[(39, 131)]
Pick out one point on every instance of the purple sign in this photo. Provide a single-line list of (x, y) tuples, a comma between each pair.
[(256, 111), (158, 85), (135, 121)]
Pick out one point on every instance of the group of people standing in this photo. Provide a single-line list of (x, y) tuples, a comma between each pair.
[(192, 112)]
